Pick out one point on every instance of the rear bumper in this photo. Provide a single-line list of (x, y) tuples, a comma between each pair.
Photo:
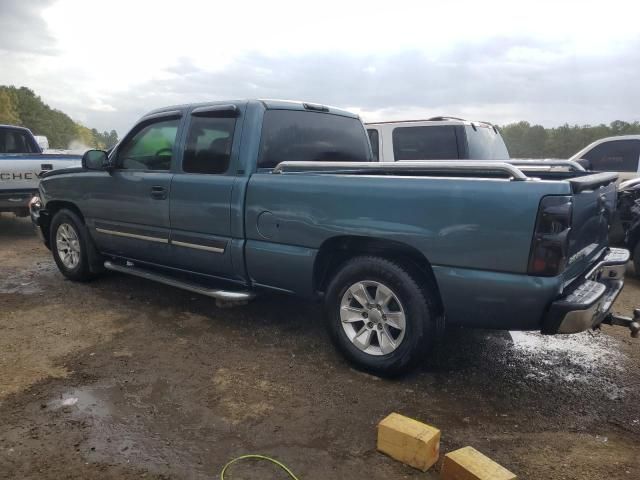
[(15, 200), (587, 304)]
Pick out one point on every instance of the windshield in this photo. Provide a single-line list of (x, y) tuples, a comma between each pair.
[(485, 143)]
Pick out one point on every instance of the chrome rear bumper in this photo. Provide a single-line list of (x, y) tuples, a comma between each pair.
[(588, 303)]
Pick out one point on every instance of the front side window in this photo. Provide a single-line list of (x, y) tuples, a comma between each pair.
[(374, 140), (150, 148), (425, 143), (15, 141), (615, 156), (311, 136), (208, 148)]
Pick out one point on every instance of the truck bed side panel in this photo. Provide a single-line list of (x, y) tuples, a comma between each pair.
[(460, 225)]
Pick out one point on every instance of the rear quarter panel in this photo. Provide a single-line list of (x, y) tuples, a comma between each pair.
[(476, 233)]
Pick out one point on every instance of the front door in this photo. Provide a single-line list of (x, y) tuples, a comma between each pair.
[(201, 192), (132, 205)]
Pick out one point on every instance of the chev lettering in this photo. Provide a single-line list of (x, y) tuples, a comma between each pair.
[(8, 176)]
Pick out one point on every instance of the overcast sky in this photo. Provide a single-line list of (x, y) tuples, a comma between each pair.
[(106, 63)]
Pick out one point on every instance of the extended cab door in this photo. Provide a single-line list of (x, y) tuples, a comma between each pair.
[(130, 205), (201, 191)]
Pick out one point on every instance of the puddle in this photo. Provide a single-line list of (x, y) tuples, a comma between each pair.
[(127, 425), (81, 402), (26, 282)]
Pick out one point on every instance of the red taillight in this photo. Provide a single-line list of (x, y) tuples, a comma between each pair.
[(548, 255)]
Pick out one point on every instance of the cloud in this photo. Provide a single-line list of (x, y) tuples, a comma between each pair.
[(498, 65), (22, 28), (492, 80)]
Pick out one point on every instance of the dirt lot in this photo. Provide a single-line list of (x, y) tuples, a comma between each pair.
[(123, 378)]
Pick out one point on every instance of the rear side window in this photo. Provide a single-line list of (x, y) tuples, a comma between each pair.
[(208, 148), (485, 144), (15, 141), (374, 140), (615, 156), (425, 143), (312, 137), (150, 148)]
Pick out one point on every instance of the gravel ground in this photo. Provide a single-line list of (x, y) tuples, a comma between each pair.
[(123, 378)]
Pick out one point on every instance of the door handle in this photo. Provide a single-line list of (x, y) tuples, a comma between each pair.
[(159, 193)]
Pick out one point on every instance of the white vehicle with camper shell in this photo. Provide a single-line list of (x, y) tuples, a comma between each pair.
[(438, 138)]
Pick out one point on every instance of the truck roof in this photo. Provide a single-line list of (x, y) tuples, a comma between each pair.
[(269, 104), (15, 127)]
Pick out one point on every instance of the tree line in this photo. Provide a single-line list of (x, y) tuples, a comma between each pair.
[(22, 107), (535, 141)]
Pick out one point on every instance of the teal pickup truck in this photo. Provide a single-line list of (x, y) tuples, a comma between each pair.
[(231, 199)]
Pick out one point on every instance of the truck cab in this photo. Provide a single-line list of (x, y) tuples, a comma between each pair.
[(619, 154), (438, 138)]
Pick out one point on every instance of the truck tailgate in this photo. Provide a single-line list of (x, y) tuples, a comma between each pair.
[(594, 202)]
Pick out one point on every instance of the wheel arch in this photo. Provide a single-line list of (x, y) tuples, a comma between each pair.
[(53, 207), (334, 252)]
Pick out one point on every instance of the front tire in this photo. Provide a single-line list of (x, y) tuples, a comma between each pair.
[(69, 245), (379, 316)]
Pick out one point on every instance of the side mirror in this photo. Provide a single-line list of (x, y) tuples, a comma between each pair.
[(94, 160), (584, 163)]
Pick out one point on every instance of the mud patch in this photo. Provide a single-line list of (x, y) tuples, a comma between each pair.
[(35, 339), (126, 379), (243, 397)]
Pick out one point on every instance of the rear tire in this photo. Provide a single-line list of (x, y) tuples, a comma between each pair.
[(379, 316), (68, 240)]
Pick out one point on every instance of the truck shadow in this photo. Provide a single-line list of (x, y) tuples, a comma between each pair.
[(13, 228), (505, 361)]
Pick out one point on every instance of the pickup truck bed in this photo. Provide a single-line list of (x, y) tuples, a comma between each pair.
[(243, 197)]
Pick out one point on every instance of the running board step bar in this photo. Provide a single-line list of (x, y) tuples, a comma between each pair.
[(226, 296)]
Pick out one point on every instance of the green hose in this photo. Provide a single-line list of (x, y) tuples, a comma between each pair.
[(258, 457)]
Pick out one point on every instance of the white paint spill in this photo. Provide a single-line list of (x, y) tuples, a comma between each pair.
[(579, 348), (578, 358)]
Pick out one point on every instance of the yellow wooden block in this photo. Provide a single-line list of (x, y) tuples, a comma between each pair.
[(409, 441), (469, 464)]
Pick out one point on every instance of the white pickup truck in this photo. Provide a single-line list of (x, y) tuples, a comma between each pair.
[(21, 162), (619, 154)]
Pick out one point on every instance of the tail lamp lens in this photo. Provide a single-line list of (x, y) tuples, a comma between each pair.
[(548, 255)]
